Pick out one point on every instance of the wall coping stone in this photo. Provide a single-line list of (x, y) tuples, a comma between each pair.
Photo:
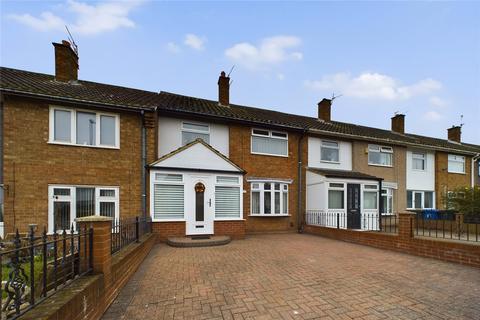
[(93, 219)]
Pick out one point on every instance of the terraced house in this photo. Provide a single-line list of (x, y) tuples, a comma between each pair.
[(72, 148)]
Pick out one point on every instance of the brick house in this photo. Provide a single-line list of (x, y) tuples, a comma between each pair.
[(72, 148)]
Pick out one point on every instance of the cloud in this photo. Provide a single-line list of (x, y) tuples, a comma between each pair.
[(280, 76), (270, 51), (432, 116), (89, 19), (195, 42), (373, 86), (173, 47), (438, 102)]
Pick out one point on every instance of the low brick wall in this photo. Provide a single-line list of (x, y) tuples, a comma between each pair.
[(89, 296), (164, 230), (233, 229), (452, 251)]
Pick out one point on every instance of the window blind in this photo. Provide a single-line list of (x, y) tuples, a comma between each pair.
[(227, 202), (168, 201)]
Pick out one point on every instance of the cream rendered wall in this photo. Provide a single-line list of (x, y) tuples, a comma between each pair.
[(421, 179), (170, 135), (345, 155)]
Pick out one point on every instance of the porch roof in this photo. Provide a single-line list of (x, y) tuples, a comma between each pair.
[(343, 174)]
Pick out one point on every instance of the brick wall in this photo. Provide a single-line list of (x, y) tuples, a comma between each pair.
[(31, 164), (234, 229), (396, 173), (163, 230), (268, 167), (458, 252), (445, 181)]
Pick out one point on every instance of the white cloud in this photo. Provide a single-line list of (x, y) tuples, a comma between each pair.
[(280, 76), (373, 86), (173, 47), (438, 102), (89, 19), (270, 51), (195, 42), (432, 116)]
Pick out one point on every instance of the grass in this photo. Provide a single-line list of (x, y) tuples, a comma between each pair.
[(37, 269)]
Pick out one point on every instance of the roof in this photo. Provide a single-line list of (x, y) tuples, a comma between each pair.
[(44, 85), (184, 104), (188, 145), (343, 174)]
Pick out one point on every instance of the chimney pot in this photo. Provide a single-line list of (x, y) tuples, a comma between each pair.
[(398, 123), (223, 89), (324, 109), (66, 62), (455, 133)]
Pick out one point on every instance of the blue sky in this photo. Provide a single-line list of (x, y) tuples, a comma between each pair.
[(418, 58)]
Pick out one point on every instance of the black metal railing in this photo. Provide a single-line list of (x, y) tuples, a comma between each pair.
[(343, 220), (446, 225), (128, 230), (36, 267)]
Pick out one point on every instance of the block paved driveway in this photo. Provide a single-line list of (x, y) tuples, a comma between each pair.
[(292, 276)]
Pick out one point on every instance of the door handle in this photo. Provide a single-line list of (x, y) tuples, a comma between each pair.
[(210, 202)]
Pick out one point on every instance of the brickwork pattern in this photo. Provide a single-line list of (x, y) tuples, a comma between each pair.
[(233, 229), (163, 230), (293, 276), (445, 181)]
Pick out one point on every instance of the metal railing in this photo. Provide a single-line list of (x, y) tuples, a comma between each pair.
[(448, 225), (128, 230), (343, 220), (36, 267)]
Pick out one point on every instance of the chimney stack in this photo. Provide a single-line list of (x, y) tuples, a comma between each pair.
[(324, 109), (66, 62), (223, 90), (398, 123), (455, 133)]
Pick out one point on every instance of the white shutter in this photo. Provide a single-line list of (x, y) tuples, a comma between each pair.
[(168, 201), (227, 202)]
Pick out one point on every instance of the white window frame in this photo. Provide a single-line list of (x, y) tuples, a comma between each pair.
[(330, 147), (370, 188), (419, 156), (238, 184), (284, 188), (72, 199), (380, 149), (154, 182), (422, 193), (335, 186), (73, 128), (270, 136), (388, 194), (457, 159), (190, 130)]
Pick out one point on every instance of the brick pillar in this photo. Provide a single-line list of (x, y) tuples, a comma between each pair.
[(405, 225), (102, 239)]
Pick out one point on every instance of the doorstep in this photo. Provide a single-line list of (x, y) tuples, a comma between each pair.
[(188, 242)]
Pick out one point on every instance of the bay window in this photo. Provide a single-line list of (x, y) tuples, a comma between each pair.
[(456, 164), (380, 155), (269, 198), (269, 142), (227, 197), (329, 151), (168, 196), (84, 128), (66, 203), (192, 131)]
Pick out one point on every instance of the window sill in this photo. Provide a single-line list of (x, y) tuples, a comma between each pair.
[(269, 215), (82, 145), (331, 162), (269, 155), (454, 172), (380, 165), (229, 219), (168, 220)]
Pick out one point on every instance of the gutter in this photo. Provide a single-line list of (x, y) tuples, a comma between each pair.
[(143, 165), (474, 158)]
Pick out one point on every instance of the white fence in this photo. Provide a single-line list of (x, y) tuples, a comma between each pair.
[(343, 220)]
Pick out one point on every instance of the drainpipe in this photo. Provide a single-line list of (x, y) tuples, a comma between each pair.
[(2, 193), (144, 164), (380, 204), (300, 184), (474, 158)]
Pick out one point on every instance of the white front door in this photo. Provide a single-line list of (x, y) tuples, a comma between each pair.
[(202, 204)]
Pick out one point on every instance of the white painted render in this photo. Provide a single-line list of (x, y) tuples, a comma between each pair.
[(170, 135), (421, 179), (345, 155), (197, 157)]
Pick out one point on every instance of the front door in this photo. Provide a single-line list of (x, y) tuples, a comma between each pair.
[(201, 208), (354, 216)]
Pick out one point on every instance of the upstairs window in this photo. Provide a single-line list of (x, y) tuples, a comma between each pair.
[(380, 155), (418, 161), (84, 128), (329, 151), (269, 198), (456, 164), (269, 142), (193, 131)]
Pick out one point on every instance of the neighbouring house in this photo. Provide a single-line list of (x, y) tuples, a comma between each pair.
[(72, 148)]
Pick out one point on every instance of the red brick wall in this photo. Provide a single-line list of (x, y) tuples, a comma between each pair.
[(268, 167), (445, 181), (31, 164), (234, 229), (168, 229), (458, 252)]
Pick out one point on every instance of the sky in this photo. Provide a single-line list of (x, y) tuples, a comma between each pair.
[(417, 58)]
